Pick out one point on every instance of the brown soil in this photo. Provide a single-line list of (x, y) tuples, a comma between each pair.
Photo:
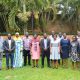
[(59, 27)]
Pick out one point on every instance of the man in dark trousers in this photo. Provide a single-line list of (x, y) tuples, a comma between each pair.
[(26, 47), (45, 48), (9, 47)]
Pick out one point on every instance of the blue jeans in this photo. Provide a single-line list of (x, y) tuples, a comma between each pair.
[(11, 57)]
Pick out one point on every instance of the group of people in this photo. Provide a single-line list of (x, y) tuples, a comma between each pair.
[(57, 48)]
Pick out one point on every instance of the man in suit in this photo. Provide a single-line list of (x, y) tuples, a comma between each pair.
[(45, 48), (9, 47)]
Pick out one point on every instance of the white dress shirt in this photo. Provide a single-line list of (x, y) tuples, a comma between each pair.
[(45, 43), (9, 41)]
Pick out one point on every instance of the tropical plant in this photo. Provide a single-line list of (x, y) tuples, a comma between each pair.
[(38, 13)]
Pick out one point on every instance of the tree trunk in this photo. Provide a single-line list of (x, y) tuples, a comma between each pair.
[(24, 7)]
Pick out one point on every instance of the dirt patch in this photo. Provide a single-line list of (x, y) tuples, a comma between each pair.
[(59, 27)]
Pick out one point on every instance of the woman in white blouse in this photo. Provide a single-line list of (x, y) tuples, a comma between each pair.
[(55, 51)]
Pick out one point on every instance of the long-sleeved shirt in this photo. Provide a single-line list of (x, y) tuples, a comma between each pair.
[(26, 43)]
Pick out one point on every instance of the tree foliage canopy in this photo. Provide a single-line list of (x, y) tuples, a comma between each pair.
[(16, 14)]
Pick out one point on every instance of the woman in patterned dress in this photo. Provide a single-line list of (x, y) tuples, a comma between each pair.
[(78, 39), (35, 50), (18, 55), (74, 52)]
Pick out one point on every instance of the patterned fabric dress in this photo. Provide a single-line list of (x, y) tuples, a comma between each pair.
[(35, 49), (18, 55), (74, 51), (78, 39)]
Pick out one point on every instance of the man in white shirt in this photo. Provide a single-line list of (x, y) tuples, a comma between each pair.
[(9, 47), (60, 37), (52, 35), (45, 43), (9, 42), (45, 48)]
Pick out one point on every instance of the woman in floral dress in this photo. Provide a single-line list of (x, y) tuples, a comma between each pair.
[(74, 51)]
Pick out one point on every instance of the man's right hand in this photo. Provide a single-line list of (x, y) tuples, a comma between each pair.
[(45, 49), (9, 50)]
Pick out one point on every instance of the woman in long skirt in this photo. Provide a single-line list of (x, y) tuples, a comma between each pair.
[(18, 55)]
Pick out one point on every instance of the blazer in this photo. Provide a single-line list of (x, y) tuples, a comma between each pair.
[(43, 46), (6, 46)]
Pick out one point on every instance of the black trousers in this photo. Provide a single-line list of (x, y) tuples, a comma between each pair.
[(46, 54), (26, 53), (59, 59)]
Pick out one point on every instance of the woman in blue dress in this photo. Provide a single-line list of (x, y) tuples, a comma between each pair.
[(65, 48)]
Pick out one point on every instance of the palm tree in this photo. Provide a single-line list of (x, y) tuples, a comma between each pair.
[(42, 9)]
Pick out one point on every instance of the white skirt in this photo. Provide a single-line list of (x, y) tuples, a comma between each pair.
[(55, 55)]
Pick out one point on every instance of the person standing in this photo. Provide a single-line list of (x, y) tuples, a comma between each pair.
[(1, 51), (9, 47), (60, 37), (65, 49), (51, 38), (18, 56), (45, 48), (55, 51), (26, 49), (74, 52), (52, 35), (78, 39), (35, 50)]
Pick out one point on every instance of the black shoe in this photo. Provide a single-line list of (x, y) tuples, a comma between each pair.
[(24, 64), (37, 66), (7, 68), (29, 64), (42, 67), (49, 66), (12, 67), (56, 68), (33, 66)]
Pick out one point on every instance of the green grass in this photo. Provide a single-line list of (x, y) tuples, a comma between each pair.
[(29, 73)]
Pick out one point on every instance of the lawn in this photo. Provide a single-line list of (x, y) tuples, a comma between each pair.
[(29, 73)]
